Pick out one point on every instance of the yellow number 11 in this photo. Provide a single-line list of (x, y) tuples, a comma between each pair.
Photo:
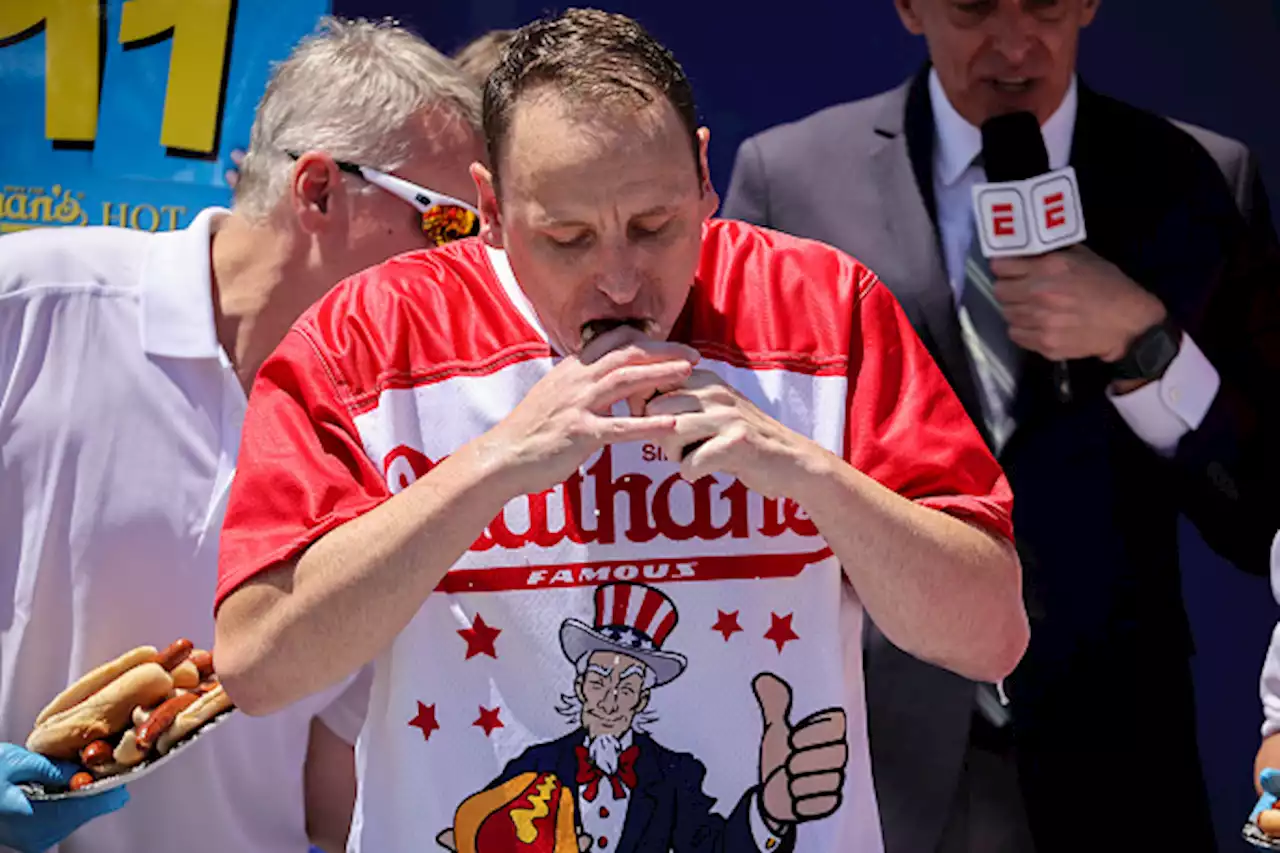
[(196, 62)]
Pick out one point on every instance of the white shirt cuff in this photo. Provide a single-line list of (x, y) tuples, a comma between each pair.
[(1275, 568), (765, 840), (1162, 412), (1270, 687), (1269, 684)]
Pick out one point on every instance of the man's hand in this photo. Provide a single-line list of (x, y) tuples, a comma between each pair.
[(232, 176), (565, 416), (1072, 304), (727, 433), (801, 766)]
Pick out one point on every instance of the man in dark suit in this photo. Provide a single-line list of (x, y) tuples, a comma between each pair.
[(1167, 318)]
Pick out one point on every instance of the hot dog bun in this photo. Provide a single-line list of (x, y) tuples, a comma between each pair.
[(92, 682), (103, 713), (532, 812), (127, 752), (205, 709), (1269, 822), (185, 675)]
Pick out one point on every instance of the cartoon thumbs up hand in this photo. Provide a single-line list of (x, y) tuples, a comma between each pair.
[(801, 765)]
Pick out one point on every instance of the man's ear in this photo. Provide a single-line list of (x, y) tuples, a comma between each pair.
[(1087, 12), (909, 12), (490, 210), (644, 701), (316, 185), (710, 200)]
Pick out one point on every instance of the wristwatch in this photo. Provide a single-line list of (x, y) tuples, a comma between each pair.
[(1151, 352)]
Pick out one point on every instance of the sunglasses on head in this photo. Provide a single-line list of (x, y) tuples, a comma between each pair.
[(444, 218)]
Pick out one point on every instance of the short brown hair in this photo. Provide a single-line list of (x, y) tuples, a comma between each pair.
[(478, 57), (586, 53)]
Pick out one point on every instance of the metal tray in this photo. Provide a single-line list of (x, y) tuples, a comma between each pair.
[(1258, 838), (37, 793)]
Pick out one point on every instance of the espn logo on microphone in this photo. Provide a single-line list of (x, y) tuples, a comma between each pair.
[(1031, 217)]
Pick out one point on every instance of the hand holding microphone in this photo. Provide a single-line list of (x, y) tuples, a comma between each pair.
[(1059, 298), (1072, 304)]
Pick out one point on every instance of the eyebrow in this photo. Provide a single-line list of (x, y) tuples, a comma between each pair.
[(550, 221), (634, 669), (595, 667)]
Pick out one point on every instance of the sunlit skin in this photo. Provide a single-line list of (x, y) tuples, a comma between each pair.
[(600, 211), (381, 225), (330, 225), (1001, 56)]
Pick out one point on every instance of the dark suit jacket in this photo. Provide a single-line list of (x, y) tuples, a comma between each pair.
[(668, 811), (1095, 510)]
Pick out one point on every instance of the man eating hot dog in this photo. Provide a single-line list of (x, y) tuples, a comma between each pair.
[(125, 358), (439, 476)]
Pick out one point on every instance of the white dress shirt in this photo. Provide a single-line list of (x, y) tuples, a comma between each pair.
[(1160, 412), (120, 423), (1270, 681)]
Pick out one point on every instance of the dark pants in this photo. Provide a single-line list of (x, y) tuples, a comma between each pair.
[(987, 815), (1109, 761)]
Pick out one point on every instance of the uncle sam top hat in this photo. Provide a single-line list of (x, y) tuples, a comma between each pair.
[(631, 619)]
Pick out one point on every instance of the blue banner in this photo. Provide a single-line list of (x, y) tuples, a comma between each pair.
[(126, 112)]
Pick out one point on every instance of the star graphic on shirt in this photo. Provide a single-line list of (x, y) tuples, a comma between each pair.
[(780, 631), (488, 720), (727, 624), (480, 638), (426, 720)]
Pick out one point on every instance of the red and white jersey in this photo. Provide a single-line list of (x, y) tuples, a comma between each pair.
[(707, 584)]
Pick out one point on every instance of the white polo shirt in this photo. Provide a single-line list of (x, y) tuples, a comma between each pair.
[(120, 423)]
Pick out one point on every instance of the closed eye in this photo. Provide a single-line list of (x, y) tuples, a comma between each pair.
[(647, 230), (578, 240)]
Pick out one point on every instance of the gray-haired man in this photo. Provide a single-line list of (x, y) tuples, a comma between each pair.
[(141, 348)]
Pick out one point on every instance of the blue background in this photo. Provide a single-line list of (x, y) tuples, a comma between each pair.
[(127, 164), (1212, 62)]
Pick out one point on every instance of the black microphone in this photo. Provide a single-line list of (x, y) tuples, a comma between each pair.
[(1013, 150)]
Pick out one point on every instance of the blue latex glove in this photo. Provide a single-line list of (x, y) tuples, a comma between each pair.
[(33, 827), (1269, 780)]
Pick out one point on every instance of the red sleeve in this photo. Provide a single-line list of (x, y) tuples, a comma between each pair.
[(301, 471), (906, 427)]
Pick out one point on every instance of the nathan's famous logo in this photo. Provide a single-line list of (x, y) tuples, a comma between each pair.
[(649, 513), (37, 207), (33, 206)]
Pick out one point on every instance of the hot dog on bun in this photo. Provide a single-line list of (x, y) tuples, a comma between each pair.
[(101, 714), (131, 708)]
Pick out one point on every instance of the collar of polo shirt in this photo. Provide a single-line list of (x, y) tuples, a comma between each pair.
[(177, 305)]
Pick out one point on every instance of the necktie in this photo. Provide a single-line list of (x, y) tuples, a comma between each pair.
[(997, 362), (590, 775), (996, 359)]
